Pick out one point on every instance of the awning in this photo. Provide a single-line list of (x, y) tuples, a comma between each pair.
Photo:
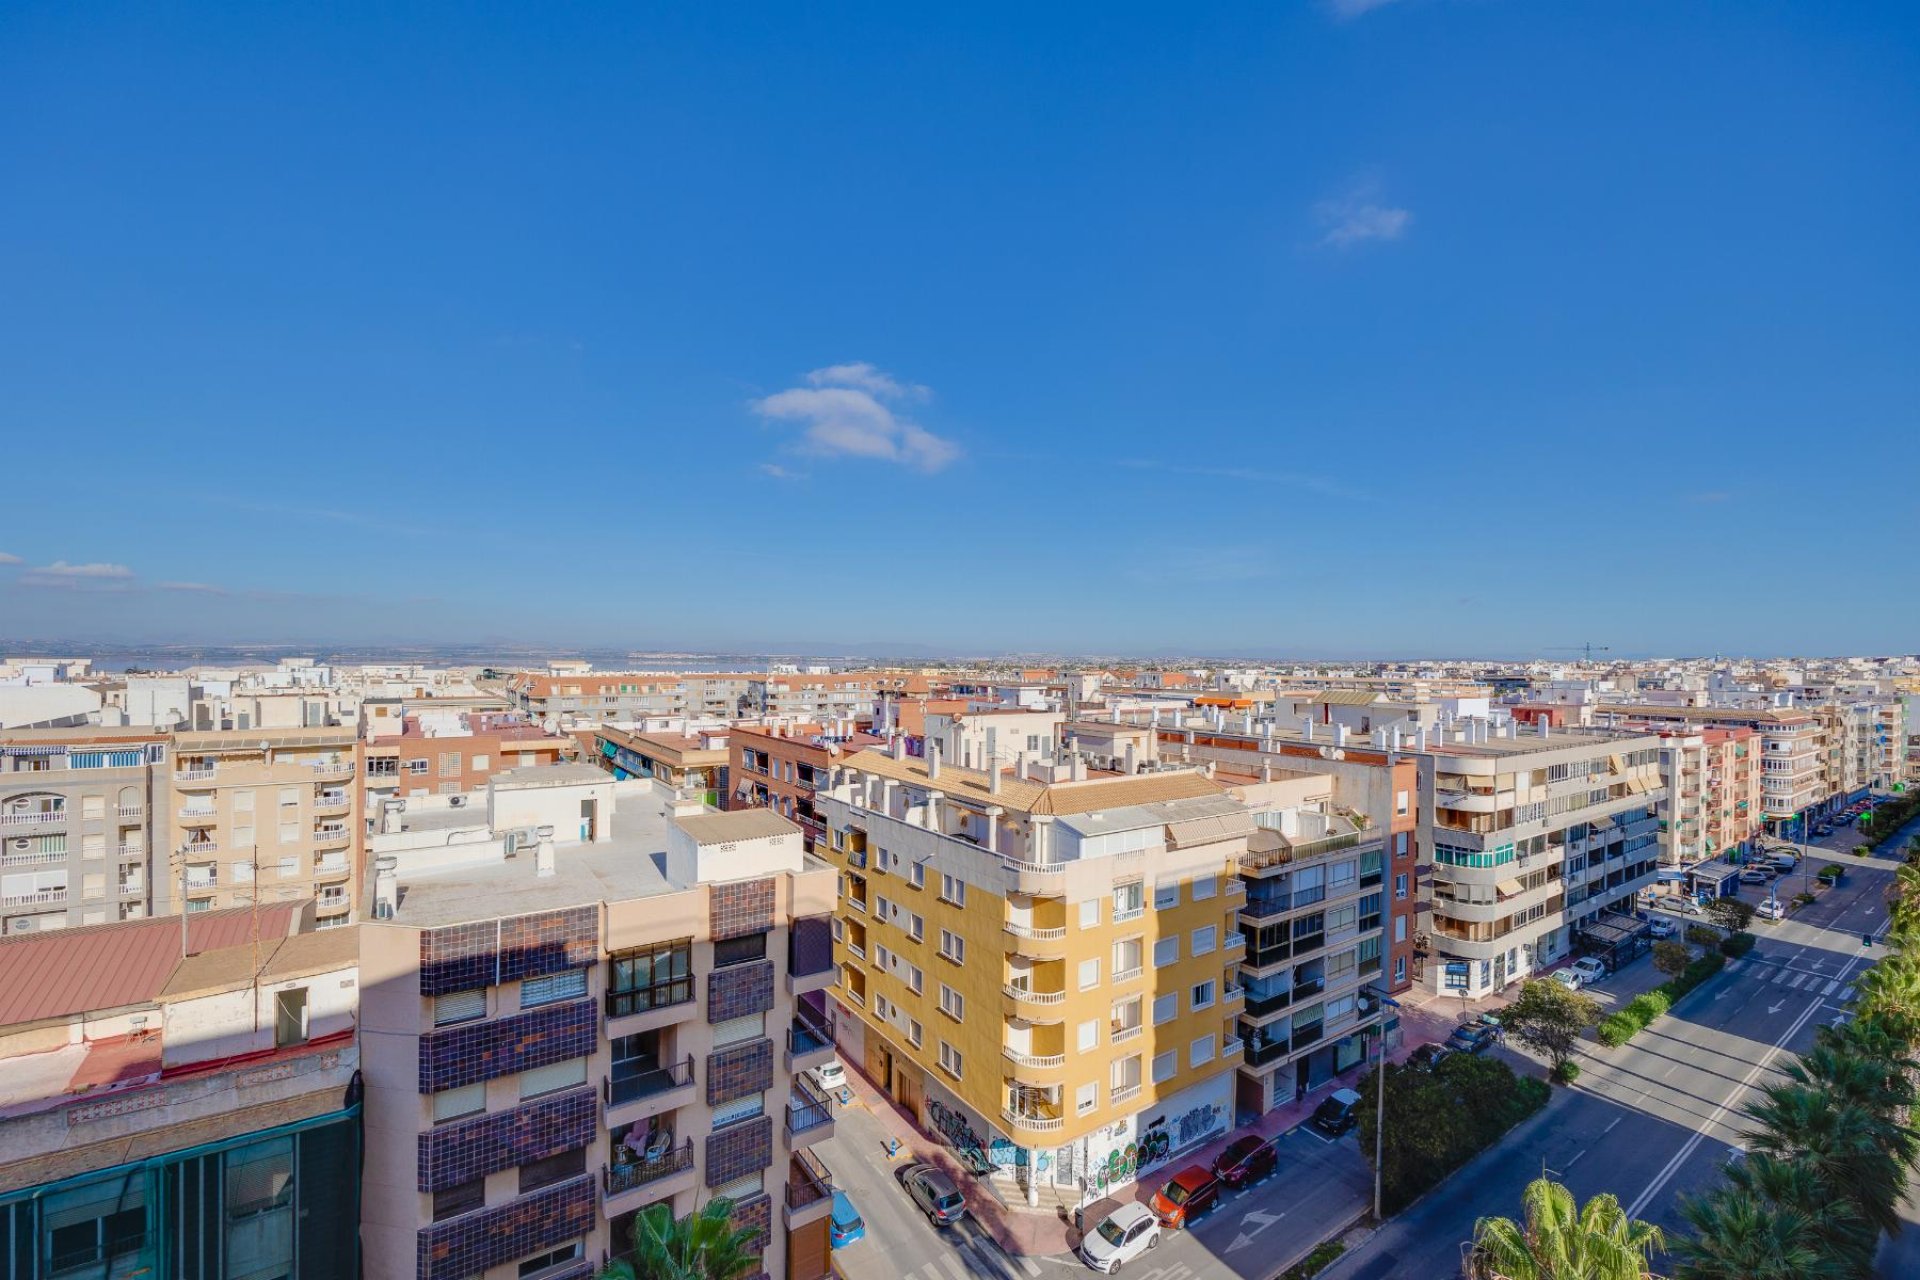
[(1507, 888), (1673, 875)]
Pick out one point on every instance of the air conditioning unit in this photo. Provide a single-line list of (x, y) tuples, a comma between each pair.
[(456, 802)]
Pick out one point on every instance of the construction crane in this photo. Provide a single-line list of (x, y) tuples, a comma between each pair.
[(1588, 649)]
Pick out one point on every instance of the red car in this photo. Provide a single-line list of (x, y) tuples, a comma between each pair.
[(1246, 1160), (1192, 1192)]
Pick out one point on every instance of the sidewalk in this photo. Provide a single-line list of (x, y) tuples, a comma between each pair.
[(1001, 1208)]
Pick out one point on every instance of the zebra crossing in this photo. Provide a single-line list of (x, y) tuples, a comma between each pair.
[(1788, 978)]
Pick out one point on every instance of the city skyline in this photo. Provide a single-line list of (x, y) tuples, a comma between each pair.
[(1261, 332)]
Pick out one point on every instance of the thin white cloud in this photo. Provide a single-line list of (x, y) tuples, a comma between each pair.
[(201, 587), (779, 472), (1358, 216), (5, 558), (61, 569), (842, 414), (1346, 10)]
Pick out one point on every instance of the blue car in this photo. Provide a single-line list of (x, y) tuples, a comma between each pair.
[(848, 1225)]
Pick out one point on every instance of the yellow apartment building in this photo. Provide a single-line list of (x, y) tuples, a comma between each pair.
[(265, 816), (1038, 964)]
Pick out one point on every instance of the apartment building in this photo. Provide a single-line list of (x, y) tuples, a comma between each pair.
[(675, 761), (1541, 840), (822, 699), (1791, 749), (265, 816), (1041, 967), (448, 752), (601, 697), (559, 1034), (195, 1117), (77, 809), (784, 766), (1714, 800)]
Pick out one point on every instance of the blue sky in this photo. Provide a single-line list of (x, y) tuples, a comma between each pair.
[(1451, 326)]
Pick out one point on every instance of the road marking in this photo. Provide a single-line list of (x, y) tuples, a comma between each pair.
[(1831, 984), (1693, 1144), (1775, 1008), (1799, 978), (953, 1264), (1781, 976), (1616, 1120), (1575, 1160)]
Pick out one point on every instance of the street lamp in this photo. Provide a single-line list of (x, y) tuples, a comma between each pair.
[(1380, 1099)]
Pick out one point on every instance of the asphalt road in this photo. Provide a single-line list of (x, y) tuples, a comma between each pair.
[(1657, 1116)]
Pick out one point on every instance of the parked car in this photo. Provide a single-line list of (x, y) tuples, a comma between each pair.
[(1591, 969), (1246, 1161), (1339, 1113), (1186, 1196), (1824, 829), (1566, 978), (830, 1076), (1679, 904), (1771, 909), (1473, 1037), (848, 1225), (1119, 1238), (1756, 875), (1429, 1056), (935, 1193), (1661, 927)]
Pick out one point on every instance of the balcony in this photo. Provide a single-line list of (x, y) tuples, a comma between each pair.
[(809, 1115), (126, 851), (33, 818), (809, 1189), (1127, 975), (202, 776), (331, 806), (133, 888), (1122, 915), (332, 835), (1035, 1068), (656, 1179), (1037, 944), (34, 859), (200, 848), (37, 898), (809, 1040), (639, 1089), (1120, 1033), (1043, 880), (1274, 1002), (329, 771), (198, 815), (1033, 1121), (1027, 996), (332, 904), (132, 812), (330, 865)]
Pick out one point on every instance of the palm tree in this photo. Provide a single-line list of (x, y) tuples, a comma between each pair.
[(1843, 1145), (1736, 1237), (704, 1245), (1879, 1035), (1790, 1187), (1560, 1241), (1875, 1085), (1892, 985)]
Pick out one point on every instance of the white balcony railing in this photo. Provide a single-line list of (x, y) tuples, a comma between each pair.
[(38, 898), (130, 811), (33, 818), (39, 857)]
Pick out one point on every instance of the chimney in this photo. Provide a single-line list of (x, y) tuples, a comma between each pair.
[(899, 747), (1546, 727), (1079, 767), (1266, 769), (1133, 764), (543, 852), (386, 887), (1340, 735), (933, 759), (1209, 768), (993, 777)]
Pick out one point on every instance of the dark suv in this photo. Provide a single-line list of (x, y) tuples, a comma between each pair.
[(1246, 1160)]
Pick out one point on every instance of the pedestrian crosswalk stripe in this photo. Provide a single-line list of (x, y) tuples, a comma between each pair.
[(1780, 977), (953, 1265), (1831, 984), (1798, 978), (1031, 1267)]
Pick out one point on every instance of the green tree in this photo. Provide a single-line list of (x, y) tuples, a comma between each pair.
[(1548, 1018), (1892, 986), (1559, 1239), (1672, 958), (1791, 1186), (704, 1245), (1730, 914), (1736, 1237), (1845, 1146)]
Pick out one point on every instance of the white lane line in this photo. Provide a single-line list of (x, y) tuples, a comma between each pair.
[(953, 1264), (1831, 984), (1616, 1120)]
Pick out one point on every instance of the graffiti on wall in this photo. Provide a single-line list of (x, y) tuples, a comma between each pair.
[(1125, 1162)]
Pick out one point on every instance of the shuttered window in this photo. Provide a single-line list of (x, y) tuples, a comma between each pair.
[(450, 1104), (459, 1006), (743, 1188), (561, 1075), (734, 1030), (741, 1110), (570, 985)]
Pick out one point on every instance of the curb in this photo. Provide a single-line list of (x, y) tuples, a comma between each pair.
[(1304, 1254)]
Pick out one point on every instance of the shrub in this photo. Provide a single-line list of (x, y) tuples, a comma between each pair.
[(1832, 871), (1437, 1121), (1644, 1008), (1567, 1072), (1703, 935), (1802, 899), (1863, 851), (1735, 945), (1615, 1029), (1314, 1263)]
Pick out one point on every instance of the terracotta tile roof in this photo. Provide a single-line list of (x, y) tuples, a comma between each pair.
[(1045, 799), (110, 966)]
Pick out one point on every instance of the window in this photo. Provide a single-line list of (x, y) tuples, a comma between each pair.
[(913, 1033), (1205, 938), (950, 1060), (482, 763), (1166, 1007), (1124, 1074), (1200, 1052), (1086, 1098), (1165, 951), (459, 1006), (1400, 885), (1089, 974), (650, 978), (289, 796), (731, 951), (1341, 877), (289, 833), (1090, 914), (915, 979), (953, 947), (570, 985), (544, 1173), (1399, 928), (455, 1200), (1400, 803), (954, 890), (1089, 1035), (749, 1026), (1205, 887), (1201, 997), (1128, 899), (1400, 845), (451, 1104), (1400, 969), (951, 1003), (1164, 1065), (916, 873), (1126, 958), (1166, 893), (551, 1258), (551, 1079), (417, 768), (916, 927), (743, 1109)]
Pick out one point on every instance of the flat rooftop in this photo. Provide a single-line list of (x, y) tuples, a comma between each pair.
[(630, 865)]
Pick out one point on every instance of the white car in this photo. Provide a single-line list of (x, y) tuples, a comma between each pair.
[(830, 1076), (1120, 1237), (1677, 904), (1590, 970), (1566, 978), (1660, 927), (1771, 909)]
